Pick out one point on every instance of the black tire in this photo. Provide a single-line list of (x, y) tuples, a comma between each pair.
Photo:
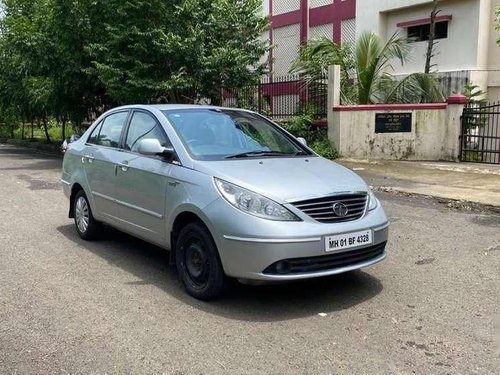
[(91, 230), (198, 263)]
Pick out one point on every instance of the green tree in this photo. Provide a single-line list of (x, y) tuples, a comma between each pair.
[(37, 58), (25, 49), (70, 60), (79, 92), (366, 71), (178, 51)]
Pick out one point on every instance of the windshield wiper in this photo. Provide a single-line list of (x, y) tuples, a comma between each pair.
[(300, 152), (258, 153)]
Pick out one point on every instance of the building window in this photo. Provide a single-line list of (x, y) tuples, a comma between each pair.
[(421, 32)]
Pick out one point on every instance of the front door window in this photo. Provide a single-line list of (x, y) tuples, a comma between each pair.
[(143, 126)]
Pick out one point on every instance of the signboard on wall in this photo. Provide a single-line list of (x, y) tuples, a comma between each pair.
[(393, 122)]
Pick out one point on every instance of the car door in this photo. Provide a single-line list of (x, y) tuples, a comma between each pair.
[(101, 155), (142, 180)]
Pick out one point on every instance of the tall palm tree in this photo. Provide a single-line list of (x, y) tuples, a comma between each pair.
[(366, 72)]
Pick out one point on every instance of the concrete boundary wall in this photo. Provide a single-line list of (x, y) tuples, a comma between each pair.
[(430, 132), (434, 135)]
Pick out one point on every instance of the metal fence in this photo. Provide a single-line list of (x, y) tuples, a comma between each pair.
[(450, 82), (281, 98), (480, 136)]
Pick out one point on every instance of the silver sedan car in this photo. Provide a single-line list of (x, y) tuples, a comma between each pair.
[(230, 193)]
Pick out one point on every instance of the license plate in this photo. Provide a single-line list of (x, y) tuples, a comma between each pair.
[(348, 240)]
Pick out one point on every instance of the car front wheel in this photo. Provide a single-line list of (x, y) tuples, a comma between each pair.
[(198, 263), (86, 226)]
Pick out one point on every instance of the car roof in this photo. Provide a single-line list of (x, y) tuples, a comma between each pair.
[(165, 107)]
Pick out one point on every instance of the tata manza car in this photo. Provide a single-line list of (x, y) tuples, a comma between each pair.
[(230, 193)]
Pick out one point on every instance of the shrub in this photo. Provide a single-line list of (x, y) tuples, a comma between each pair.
[(317, 139), (5, 131), (325, 148), (299, 126)]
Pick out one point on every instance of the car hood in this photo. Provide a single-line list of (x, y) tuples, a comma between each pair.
[(286, 179)]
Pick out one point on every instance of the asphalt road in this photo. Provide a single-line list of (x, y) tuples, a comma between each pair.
[(114, 306)]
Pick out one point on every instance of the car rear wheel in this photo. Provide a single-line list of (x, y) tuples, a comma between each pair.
[(86, 226), (198, 263)]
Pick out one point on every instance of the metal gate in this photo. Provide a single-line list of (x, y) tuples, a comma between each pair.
[(281, 98), (480, 137)]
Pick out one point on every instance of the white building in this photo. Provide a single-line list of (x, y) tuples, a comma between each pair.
[(466, 49)]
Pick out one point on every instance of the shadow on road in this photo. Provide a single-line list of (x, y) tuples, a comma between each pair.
[(241, 302), (32, 159), (34, 164)]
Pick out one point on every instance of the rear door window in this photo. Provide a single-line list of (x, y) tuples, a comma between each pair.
[(94, 136), (110, 130)]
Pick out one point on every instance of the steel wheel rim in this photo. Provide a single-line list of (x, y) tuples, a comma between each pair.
[(196, 263), (82, 214)]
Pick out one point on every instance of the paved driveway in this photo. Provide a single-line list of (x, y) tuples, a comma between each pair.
[(114, 306)]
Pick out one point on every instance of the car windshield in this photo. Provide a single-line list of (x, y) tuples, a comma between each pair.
[(215, 134)]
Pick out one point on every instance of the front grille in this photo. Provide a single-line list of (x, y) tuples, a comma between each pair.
[(296, 266), (321, 209)]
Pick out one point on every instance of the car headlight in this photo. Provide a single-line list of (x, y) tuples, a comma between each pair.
[(373, 203), (253, 203)]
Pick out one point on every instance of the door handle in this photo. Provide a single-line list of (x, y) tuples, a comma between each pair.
[(123, 166), (90, 158)]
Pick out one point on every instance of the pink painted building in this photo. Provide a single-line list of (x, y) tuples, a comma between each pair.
[(293, 22)]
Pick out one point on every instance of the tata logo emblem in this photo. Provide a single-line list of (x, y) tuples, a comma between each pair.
[(340, 209)]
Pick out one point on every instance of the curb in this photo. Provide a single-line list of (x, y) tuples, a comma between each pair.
[(451, 202)]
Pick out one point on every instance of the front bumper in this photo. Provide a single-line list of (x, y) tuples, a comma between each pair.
[(249, 246), (66, 185)]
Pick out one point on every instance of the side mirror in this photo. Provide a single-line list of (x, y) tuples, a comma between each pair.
[(302, 140), (152, 147), (67, 141)]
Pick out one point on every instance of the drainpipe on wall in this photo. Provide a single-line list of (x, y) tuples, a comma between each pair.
[(304, 21), (479, 76)]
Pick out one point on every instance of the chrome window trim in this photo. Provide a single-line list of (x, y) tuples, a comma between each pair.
[(175, 162)]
